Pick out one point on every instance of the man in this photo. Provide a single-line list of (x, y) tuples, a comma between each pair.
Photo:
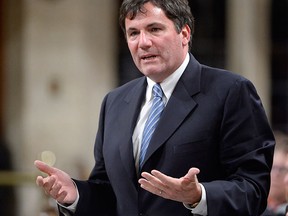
[(286, 183), (277, 200), (211, 150)]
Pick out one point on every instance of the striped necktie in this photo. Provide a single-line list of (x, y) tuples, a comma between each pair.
[(151, 123)]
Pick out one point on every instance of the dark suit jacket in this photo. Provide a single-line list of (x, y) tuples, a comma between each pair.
[(214, 120)]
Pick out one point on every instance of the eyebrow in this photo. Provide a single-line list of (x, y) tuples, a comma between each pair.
[(148, 26)]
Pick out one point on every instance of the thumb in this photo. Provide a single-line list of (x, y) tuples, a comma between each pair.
[(191, 176), (43, 167), (192, 173)]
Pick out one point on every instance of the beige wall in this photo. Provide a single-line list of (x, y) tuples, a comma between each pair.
[(67, 63)]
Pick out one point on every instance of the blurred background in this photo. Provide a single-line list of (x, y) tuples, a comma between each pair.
[(58, 59)]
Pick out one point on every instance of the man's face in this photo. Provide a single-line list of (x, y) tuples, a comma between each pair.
[(286, 178), (156, 47), (279, 170)]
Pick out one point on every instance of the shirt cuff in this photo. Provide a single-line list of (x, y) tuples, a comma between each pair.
[(201, 208)]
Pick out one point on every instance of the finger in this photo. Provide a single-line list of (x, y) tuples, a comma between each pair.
[(192, 173), (152, 183), (146, 185), (146, 180), (43, 167), (190, 177), (164, 179), (49, 184), (190, 180), (153, 180), (54, 192), (40, 181), (61, 197)]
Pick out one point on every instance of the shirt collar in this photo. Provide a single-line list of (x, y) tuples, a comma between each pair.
[(169, 83)]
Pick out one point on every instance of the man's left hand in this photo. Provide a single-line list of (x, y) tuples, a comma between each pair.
[(185, 189)]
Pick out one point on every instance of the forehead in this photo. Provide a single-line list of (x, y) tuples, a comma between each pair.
[(148, 13)]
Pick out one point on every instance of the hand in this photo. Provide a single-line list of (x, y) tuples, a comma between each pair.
[(57, 184), (185, 189)]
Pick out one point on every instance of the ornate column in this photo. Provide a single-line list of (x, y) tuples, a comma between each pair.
[(248, 43)]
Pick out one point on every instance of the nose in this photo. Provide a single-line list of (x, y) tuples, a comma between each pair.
[(144, 41)]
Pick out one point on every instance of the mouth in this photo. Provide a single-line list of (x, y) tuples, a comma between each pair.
[(148, 57)]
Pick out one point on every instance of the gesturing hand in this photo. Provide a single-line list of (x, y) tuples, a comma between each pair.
[(57, 184), (185, 189)]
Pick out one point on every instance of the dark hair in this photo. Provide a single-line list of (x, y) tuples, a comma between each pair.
[(176, 10)]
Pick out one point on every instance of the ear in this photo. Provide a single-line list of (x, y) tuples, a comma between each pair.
[(186, 32)]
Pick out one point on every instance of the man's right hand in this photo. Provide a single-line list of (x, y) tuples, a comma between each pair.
[(57, 184)]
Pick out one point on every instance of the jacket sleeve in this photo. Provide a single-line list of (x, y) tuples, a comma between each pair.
[(246, 154)]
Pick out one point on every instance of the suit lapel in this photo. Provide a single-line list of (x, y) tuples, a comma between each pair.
[(130, 111), (182, 98)]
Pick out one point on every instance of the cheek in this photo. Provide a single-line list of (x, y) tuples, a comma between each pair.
[(132, 47), (286, 180), (173, 52), (133, 52), (174, 49)]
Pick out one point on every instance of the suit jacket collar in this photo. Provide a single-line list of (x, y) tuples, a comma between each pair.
[(130, 112)]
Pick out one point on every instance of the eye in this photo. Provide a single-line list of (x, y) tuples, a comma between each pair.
[(155, 29), (133, 33)]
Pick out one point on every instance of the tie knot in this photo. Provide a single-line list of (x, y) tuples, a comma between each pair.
[(157, 91)]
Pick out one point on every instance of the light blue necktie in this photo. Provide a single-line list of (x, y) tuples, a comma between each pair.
[(151, 123)]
